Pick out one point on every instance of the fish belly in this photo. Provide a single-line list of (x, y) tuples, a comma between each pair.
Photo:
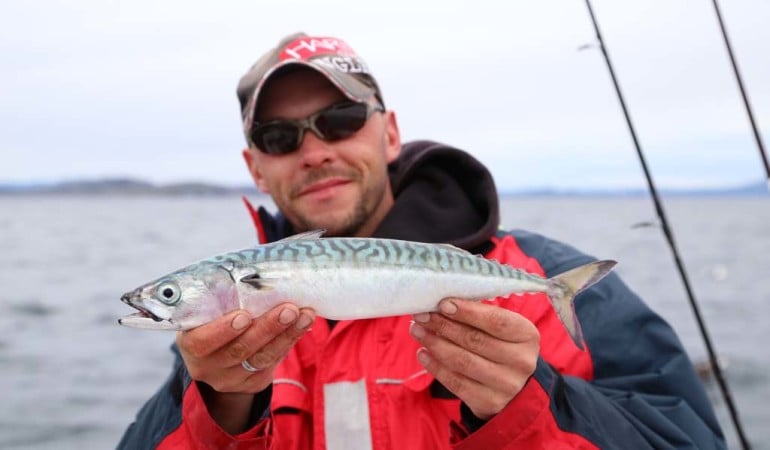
[(362, 293)]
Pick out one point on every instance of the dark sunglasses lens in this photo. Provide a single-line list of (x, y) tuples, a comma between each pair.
[(276, 138), (341, 121)]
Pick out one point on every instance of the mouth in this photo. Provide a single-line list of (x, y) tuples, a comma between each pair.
[(143, 313), (144, 318), (322, 187)]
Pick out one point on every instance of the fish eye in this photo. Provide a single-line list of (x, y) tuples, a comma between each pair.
[(168, 293)]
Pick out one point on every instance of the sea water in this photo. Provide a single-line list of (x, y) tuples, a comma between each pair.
[(72, 377)]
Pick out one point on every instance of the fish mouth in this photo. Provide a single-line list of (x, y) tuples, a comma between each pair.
[(144, 317), (143, 312)]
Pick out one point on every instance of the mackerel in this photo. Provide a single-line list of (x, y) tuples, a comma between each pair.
[(345, 278)]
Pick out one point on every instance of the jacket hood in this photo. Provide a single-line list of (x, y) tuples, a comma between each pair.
[(443, 195)]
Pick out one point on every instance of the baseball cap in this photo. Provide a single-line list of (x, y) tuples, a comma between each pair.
[(330, 56)]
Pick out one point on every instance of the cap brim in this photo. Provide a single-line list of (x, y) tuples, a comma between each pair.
[(347, 84)]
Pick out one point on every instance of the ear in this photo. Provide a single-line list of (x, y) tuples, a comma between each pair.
[(392, 137), (251, 158)]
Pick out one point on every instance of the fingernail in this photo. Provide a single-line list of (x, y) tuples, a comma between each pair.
[(448, 307), (287, 316), (240, 322), (422, 317), (423, 357), (303, 322), (417, 331)]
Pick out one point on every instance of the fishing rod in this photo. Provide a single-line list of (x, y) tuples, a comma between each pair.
[(755, 129), (670, 239)]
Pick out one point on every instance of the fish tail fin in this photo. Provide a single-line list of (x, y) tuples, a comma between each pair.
[(563, 288)]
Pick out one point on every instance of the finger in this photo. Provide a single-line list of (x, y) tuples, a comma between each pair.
[(499, 377), (206, 339), (483, 401), (472, 339), (272, 353), (267, 358), (222, 369), (492, 319), (260, 332)]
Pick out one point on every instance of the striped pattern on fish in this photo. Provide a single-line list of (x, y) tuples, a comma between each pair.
[(359, 252), (344, 278)]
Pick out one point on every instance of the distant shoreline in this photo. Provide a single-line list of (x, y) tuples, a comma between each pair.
[(134, 187), (124, 186)]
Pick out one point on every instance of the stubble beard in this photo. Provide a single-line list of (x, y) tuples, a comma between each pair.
[(353, 220)]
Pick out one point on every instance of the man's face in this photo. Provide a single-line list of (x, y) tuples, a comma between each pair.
[(341, 186)]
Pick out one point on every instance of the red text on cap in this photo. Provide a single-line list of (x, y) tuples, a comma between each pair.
[(306, 48)]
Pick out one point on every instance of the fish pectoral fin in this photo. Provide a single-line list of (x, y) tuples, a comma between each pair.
[(255, 280), (312, 234)]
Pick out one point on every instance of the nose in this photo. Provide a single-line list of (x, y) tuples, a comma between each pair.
[(314, 151)]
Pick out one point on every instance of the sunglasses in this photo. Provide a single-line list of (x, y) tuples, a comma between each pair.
[(338, 121)]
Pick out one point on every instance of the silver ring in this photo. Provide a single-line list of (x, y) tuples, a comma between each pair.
[(249, 368)]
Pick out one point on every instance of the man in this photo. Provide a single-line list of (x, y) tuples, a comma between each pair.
[(498, 374)]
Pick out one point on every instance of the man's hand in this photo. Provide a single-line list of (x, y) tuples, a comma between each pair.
[(213, 354), (482, 353)]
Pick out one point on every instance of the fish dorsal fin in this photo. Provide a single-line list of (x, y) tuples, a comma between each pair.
[(312, 234)]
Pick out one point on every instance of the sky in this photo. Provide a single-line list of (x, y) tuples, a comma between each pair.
[(146, 88)]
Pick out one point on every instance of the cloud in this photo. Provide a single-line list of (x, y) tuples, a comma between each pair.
[(148, 89)]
